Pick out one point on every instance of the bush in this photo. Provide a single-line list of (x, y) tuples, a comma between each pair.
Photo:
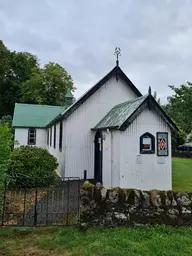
[(32, 166), (6, 143), (184, 154)]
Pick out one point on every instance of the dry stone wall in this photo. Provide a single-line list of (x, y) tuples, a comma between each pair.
[(130, 207)]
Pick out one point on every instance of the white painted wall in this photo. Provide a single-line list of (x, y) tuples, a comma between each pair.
[(79, 139), (111, 159), (55, 151), (21, 135), (124, 148)]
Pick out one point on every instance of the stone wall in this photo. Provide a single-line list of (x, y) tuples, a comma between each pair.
[(129, 207)]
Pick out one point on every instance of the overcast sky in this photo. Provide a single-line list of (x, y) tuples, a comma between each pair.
[(155, 37)]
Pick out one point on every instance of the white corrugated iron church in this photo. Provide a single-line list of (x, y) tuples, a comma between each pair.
[(113, 134)]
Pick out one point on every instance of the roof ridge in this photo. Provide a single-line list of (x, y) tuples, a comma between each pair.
[(39, 105), (131, 101)]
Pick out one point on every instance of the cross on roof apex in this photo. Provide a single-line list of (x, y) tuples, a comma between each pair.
[(117, 53)]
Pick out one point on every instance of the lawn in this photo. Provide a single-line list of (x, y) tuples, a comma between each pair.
[(154, 241), (182, 174), (140, 241)]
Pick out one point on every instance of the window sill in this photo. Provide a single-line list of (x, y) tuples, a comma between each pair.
[(147, 152)]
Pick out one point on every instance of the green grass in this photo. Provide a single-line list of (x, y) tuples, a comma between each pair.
[(182, 174), (154, 241), (140, 241)]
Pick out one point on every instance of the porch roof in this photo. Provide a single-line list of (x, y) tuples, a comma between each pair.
[(119, 114), (122, 115)]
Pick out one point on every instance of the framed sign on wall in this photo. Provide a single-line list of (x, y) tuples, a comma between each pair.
[(162, 144)]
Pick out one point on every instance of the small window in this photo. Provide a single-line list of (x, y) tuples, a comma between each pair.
[(48, 137), (60, 136), (51, 137), (147, 144), (162, 143), (31, 136), (54, 142)]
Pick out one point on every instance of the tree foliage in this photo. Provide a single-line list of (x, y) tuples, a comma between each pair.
[(15, 68), (155, 97), (47, 85), (22, 80), (180, 106), (177, 139), (6, 119), (5, 151), (32, 166)]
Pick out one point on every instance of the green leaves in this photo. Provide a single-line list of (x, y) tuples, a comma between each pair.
[(15, 68), (32, 166), (5, 151), (22, 80), (47, 86), (180, 106)]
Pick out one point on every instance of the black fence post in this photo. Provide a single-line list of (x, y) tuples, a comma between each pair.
[(67, 222), (24, 203), (4, 202), (47, 206), (35, 210), (85, 174), (78, 205)]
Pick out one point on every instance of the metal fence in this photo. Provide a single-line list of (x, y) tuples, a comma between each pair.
[(52, 206)]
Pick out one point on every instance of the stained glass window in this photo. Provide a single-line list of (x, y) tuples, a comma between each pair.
[(162, 143)]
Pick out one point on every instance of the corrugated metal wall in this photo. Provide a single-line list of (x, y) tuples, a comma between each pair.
[(123, 170), (21, 136), (79, 143), (55, 151), (149, 174)]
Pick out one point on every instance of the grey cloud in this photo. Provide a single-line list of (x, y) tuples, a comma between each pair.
[(155, 37)]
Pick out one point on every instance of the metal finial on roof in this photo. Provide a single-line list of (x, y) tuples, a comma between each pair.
[(149, 98), (117, 53), (149, 90)]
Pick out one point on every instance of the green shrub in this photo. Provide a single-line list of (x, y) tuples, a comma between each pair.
[(32, 166), (6, 143)]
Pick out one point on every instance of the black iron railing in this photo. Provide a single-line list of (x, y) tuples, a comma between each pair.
[(56, 205)]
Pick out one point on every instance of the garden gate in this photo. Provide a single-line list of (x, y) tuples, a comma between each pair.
[(57, 205)]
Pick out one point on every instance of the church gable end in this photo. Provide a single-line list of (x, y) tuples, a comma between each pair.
[(115, 72)]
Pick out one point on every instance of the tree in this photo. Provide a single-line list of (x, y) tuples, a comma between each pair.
[(47, 86), (6, 119), (23, 81), (155, 97), (177, 139), (15, 68), (179, 107)]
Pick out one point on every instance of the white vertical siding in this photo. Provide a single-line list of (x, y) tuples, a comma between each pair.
[(123, 169), (107, 163), (79, 139), (116, 157), (60, 155), (150, 174), (21, 136)]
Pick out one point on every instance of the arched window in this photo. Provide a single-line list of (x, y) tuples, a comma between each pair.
[(147, 143), (31, 136)]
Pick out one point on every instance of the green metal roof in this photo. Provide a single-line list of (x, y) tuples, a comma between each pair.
[(120, 113), (30, 115)]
